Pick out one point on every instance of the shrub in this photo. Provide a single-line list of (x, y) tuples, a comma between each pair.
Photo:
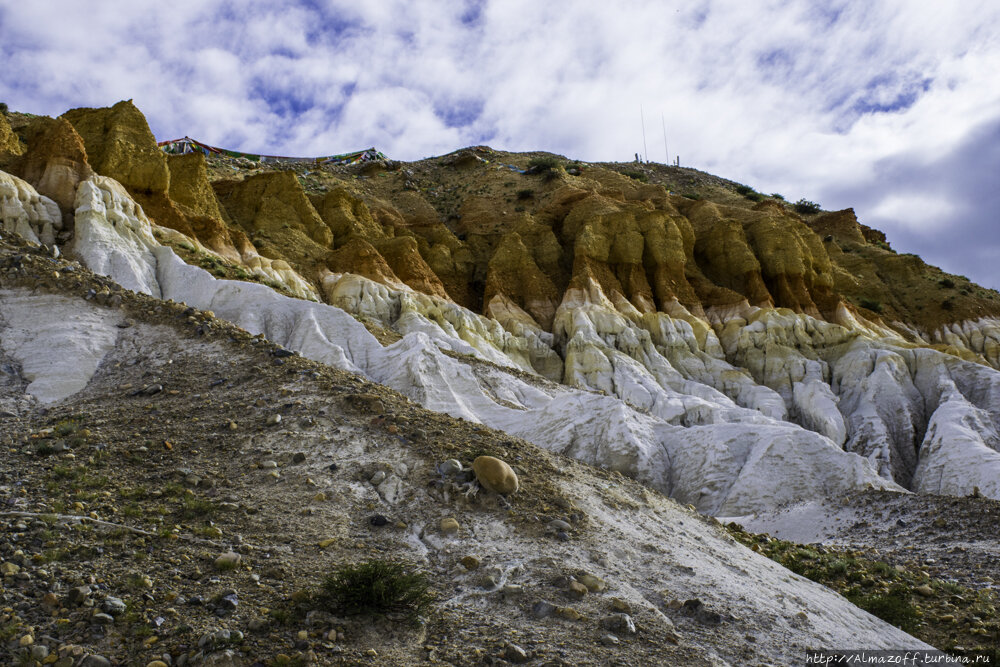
[(691, 195), (376, 588), (872, 305), (541, 165), (947, 305), (806, 207), (527, 193), (777, 196), (894, 607), (744, 189), (65, 427), (3, 108), (754, 196), (194, 508), (636, 175)]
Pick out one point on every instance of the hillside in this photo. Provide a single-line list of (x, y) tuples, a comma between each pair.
[(695, 342)]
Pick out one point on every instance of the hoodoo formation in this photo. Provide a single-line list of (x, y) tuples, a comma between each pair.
[(728, 350)]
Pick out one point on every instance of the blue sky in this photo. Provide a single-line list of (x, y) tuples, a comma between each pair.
[(892, 106)]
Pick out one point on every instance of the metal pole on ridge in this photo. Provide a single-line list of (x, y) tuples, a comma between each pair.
[(665, 151), (642, 117)]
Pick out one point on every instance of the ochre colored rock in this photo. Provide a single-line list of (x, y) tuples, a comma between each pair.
[(360, 257), (495, 475), (841, 225), (402, 255), (55, 162), (10, 145), (724, 254), (270, 202), (513, 272), (450, 259), (347, 217), (120, 145), (189, 185)]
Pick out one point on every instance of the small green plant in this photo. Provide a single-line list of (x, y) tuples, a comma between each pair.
[(526, 193), (884, 570), (542, 164), (806, 207), (45, 449), (9, 631), (173, 490), (66, 472), (893, 607), (193, 508), (778, 196), (4, 109), (65, 427), (754, 196), (871, 304), (744, 190), (377, 588), (691, 195), (947, 304), (132, 510), (636, 176)]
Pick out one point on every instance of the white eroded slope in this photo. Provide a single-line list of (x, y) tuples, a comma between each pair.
[(642, 441), (57, 341), (694, 410), (25, 212)]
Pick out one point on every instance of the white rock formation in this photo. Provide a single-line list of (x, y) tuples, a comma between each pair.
[(981, 337), (269, 270), (112, 235), (26, 213), (754, 408), (58, 341)]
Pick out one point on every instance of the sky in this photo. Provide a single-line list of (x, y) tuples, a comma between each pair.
[(891, 107)]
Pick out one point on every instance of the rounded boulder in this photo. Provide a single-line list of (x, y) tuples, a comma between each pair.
[(495, 475)]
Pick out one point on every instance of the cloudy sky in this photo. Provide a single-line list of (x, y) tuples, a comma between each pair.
[(889, 106)]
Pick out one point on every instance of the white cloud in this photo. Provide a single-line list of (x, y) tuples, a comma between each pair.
[(803, 98)]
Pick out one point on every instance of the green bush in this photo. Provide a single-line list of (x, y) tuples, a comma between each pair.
[(893, 607), (947, 305), (376, 588), (872, 305), (543, 164), (636, 175), (754, 196), (3, 108), (527, 193), (691, 195), (946, 282), (777, 196), (744, 189), (806, 207)]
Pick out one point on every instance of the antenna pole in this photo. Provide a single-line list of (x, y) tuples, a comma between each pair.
[(665, 151), (642, 117)]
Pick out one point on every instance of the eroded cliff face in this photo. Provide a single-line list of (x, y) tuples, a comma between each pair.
[(730, 353)]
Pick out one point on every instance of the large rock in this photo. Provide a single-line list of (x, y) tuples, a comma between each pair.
[(25, 212), (56, 161), (120, 145), (270, 203), (10, 145)]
